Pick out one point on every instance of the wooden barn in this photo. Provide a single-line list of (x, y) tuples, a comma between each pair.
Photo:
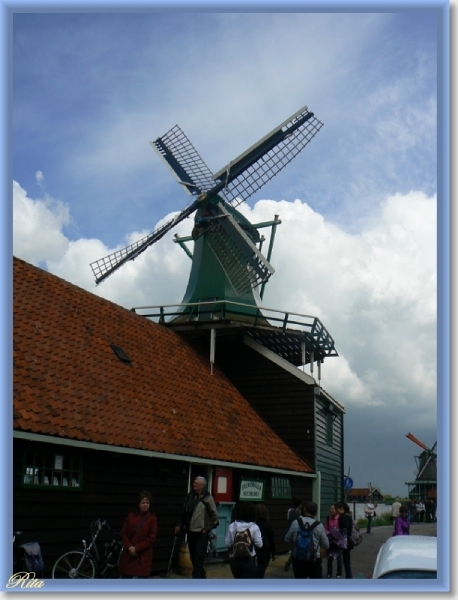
[(364, 495), (108, 403)]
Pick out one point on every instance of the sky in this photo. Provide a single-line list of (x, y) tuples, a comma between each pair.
[(357, 243)]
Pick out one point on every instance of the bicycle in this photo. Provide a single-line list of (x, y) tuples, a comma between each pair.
[(85, 563)]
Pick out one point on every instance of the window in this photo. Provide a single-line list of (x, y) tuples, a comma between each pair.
[(329, 429), (281, 487), (48, 470), (121, 354)]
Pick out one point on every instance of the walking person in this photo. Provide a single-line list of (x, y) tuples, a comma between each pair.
[(428, 511), (421, 511), (292, 514), (331, 527), (433, 511), (412, 510), (395, 510), (243, 538), (346, 523), (138, 534), (311, 568), (369, 511), (402, 524), (268, 550), (198, 519)]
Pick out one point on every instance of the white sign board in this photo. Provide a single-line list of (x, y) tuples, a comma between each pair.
[(251, 490)]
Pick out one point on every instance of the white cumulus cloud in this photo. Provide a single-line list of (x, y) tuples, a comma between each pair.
[(374, 291)]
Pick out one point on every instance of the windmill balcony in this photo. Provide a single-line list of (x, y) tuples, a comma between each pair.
[(299, 338)]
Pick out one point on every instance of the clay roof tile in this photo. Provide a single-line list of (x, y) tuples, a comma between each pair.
[(69, 382)]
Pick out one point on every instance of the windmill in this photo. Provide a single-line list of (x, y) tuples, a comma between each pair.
[(426, 478), (227, 263), (221, 233)]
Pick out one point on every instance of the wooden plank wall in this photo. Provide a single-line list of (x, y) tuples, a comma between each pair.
[(285, 402), (329, 459), (59, 519)]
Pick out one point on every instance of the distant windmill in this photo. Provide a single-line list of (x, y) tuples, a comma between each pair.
[(427, 461)]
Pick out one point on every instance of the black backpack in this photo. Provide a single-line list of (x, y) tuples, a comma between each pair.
[(243, 545), (33, 560)]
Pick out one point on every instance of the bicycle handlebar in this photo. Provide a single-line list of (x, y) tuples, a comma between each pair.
[(101, 523)]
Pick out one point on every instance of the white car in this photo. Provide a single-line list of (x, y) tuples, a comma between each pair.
[(407, 557)]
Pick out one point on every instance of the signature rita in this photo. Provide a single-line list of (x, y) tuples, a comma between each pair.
[(24, 579)]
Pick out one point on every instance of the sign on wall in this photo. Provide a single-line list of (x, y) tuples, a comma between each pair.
[(252, 489)]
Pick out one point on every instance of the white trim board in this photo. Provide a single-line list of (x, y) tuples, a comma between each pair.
[(49, 439)]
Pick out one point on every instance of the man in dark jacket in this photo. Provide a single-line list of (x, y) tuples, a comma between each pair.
[(293, 514), (198, 519)]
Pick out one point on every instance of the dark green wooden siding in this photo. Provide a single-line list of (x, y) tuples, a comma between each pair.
[(60, 519)]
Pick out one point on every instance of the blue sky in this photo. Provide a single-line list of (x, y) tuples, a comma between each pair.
[(358, 205)]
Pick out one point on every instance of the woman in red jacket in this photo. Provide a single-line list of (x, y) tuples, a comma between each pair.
[(138, 534)]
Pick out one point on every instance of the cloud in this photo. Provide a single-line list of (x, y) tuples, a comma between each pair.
[(39, 178), (37, 227), (373, 291)]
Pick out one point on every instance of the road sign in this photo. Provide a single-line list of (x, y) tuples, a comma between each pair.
[(347, 483)]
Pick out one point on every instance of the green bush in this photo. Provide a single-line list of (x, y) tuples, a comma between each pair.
[(381, 521)]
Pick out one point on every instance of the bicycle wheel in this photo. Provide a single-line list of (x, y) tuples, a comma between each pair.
[(74, 565)]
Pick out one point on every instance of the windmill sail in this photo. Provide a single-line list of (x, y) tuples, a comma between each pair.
[(254, 168), (104, 267), (186, 164), (244, 265), (233, 184)]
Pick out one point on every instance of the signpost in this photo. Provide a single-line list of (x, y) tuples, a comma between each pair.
[(348, 483)]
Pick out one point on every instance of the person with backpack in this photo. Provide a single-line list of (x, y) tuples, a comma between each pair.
[(292, 514), (243, 538), (138, 534), (198, 519), (268, 550), (309, 540), (346, 523)]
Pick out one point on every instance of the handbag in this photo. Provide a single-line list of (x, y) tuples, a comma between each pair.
[(140, 525)]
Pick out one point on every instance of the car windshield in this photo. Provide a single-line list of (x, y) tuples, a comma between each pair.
[(409, 574)]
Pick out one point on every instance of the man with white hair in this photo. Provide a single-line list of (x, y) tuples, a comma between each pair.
[(395, 510), (198, 519)]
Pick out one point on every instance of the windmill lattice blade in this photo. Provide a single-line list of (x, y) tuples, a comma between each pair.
[(184, 161), (244, 265), (413, 439), (270, 163), (104, 267)]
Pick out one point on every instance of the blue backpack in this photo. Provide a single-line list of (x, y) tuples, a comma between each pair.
[(304, 549)]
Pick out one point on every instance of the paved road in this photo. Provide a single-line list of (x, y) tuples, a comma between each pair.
[(362, 558)]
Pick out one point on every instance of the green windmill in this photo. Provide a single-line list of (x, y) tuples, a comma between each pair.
[(227, 262)]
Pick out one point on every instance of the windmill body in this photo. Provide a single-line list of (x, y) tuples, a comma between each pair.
[(219, 268)]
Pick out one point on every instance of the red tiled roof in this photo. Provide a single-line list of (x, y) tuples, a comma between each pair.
[(359, 492), (69, 383)]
